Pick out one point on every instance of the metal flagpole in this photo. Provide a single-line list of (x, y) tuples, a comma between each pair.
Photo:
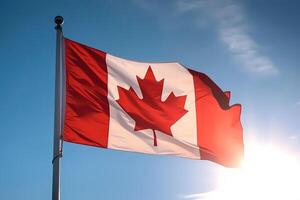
[(59, 107)]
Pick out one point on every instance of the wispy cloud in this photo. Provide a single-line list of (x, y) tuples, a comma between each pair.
[(186, 6), (229, 19), (201, 196), (298, 103), (232, 29), (293, 137)]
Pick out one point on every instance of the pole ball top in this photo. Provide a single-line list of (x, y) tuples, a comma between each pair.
[(59, 20)]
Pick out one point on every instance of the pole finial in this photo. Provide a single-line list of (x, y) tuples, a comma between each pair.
[(59, 20)]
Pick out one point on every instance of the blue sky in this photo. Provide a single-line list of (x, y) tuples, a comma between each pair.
[(249, 47)]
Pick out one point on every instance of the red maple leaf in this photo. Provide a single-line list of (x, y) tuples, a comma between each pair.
[(151, 112)]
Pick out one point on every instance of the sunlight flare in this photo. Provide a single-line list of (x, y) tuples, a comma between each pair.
[(268, 172)]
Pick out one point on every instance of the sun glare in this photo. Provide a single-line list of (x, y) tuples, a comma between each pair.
[(268, 173)]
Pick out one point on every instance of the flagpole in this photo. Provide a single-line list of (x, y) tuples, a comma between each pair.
[(58, 114)]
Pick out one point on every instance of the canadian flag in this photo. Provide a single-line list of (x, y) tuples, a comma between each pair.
[(153, 108)]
